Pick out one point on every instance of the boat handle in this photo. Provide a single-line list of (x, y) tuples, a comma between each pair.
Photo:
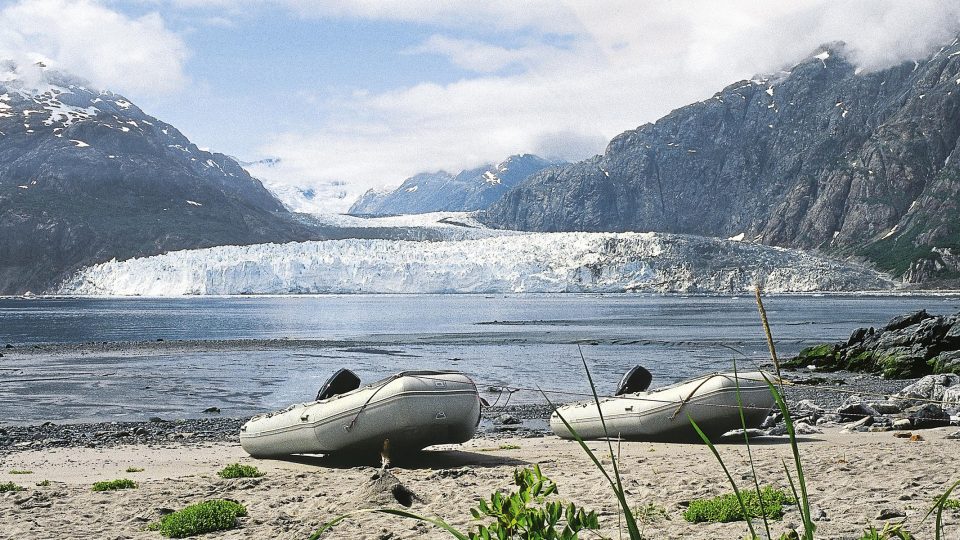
[(304, 418)]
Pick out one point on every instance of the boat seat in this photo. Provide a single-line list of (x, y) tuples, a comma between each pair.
[(637, 379), (341, 382)]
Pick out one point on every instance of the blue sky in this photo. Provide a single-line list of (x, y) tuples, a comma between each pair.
[(358, 94)]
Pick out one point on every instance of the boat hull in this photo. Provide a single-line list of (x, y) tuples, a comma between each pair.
[(664, 415), (412, 410)]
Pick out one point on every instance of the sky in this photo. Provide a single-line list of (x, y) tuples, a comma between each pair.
[(360, 94)]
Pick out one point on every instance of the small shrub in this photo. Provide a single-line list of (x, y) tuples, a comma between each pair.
[(726, 508), (111, 485), (952, 504), (514, 514), (134, 469), (240, 471), (203, 517), (18, 471), (10, 486), (43, 483), (888, 532), (651, 513)]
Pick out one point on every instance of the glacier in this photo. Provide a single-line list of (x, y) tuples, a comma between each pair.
[(520, 262)]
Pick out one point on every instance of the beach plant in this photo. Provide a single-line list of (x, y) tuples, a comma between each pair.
[(888, 532), (238, 470), (134, 469), (112, 485), (726, 508), (43, 483), (20, 471), (203, 517), (941, 502), (11, 487), (525, 513)]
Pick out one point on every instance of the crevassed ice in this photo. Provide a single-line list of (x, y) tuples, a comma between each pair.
[(531, 262)]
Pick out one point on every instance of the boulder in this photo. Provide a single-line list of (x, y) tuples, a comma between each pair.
[(946, 362), (904, 321), (855, 409), (931, 387), (928, 416)]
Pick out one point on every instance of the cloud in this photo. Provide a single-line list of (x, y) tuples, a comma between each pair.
[(111, 50), (626, 63)]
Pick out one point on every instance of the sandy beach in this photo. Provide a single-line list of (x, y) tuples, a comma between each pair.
[(852, 477)]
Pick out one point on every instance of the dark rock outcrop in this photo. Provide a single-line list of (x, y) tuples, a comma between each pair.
[(910, 345), (470, 190), (86, 176), (823, 156)]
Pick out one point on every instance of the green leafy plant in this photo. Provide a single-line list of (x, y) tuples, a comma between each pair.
[(888, 532), (651, 513), (18, 471), (10, 487), (111, 485), (134, 469), (43, 483), (199, 518), (240, 471), (726, 508), (525, 513)]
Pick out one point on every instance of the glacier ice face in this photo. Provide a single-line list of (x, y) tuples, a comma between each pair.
[(530, 262)]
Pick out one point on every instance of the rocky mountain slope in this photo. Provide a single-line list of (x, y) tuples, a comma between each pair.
[(472, 189), (824, 156), (86, 176)]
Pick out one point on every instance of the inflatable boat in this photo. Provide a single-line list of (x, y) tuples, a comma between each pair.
[(662, 414), (412, 409)]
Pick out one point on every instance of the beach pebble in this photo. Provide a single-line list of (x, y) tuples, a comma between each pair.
[(507, 419), (955, 435), (890, 513)]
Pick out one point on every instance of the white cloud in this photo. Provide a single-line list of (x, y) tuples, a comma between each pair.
[(627, 63), (111, 50)]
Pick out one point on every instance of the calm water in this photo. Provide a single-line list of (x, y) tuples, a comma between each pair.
[(517, 340)]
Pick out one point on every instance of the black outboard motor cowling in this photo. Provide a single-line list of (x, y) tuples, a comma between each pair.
[(637, 379), (341, 382)]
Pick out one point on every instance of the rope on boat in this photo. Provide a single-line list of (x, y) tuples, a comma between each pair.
[(511, 389)]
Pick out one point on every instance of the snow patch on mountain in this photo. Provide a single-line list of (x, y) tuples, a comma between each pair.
[(528, 262)]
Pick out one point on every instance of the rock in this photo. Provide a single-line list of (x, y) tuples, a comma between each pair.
[(902, 423), (903, 435), (853, 408), (885, 407), (946, 362), (890, 513), (861, 423), (928, 416), (9, 346), (507, 419), (953, 436), (803, 428), (903, 321), (931, 387), (157, 420), (857, 336), (212, 410)]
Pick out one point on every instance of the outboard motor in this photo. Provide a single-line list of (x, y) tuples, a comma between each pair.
[(637, 379), (341, 382)]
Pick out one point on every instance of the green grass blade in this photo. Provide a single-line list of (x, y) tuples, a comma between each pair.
[(938, 506), (621, 498), (628, 514), (392, 511), (736, 490), (804, 502), (746, 440)]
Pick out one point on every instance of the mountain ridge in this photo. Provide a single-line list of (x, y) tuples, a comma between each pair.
[(825, 157), (87, 176)]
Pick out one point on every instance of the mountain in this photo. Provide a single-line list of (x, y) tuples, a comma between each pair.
[(472, 189), (825, 156), (509, 262), (305, 200), (86, 176)]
